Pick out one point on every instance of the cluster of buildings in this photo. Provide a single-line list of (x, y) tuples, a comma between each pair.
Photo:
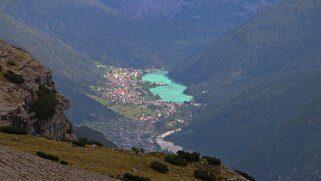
[(122, 86), (125, 87)]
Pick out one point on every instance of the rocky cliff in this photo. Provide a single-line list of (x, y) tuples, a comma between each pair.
[(21, 77)]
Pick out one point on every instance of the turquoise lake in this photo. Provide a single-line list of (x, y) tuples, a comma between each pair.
[(170, 91)]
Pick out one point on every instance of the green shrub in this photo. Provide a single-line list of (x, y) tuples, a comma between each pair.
[(63, 162), (82, 142), (14, 78), (130, 177), (190, 157), (90, 142), (48, 156), (175, 160), (204, 175), (213, 161), (45, 105), (159, 167), (245, 175), (138, 150), (12, 130), (11, 63), (78, 143)]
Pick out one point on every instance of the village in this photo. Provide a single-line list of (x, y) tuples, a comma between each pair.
[(125, 93), (125, 87)]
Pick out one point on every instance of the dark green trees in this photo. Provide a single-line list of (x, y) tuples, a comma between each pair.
[(14, 78), (204, 175), (159, 167), (45, 105)]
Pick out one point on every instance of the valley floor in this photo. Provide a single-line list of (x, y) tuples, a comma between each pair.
[(146, 115)]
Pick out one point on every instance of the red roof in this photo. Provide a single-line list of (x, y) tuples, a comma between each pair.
[(120, 91)]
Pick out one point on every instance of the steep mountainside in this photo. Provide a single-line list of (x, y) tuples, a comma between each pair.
[(62, 59), (297, 141), (270, 42), (108, 36), (28, 98), (254, 80), (219, 14)]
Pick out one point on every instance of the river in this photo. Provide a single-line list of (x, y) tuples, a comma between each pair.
[(167, 145)]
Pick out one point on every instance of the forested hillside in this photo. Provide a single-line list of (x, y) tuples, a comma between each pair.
[(296, 142), (219, 15), (65, 61), (278, 37), (254, 80), (108, 36)]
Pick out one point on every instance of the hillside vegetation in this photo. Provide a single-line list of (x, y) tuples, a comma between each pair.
[(108, 36), (220, 15), (277, 40), (62, 59), (111, 162), (297, 142)]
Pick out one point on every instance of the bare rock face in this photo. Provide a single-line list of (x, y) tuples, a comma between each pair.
[(16, 98)]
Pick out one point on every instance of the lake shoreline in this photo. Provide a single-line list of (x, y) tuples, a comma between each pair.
[(168, 90)]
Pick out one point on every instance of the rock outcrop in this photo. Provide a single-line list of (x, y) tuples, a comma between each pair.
[(17, 97)]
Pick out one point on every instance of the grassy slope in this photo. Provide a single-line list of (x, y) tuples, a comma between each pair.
[(105, 161)]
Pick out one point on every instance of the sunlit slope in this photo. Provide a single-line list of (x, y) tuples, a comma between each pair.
[(110, 162)]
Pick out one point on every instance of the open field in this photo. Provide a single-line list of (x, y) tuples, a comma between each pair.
[(127, 110)]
